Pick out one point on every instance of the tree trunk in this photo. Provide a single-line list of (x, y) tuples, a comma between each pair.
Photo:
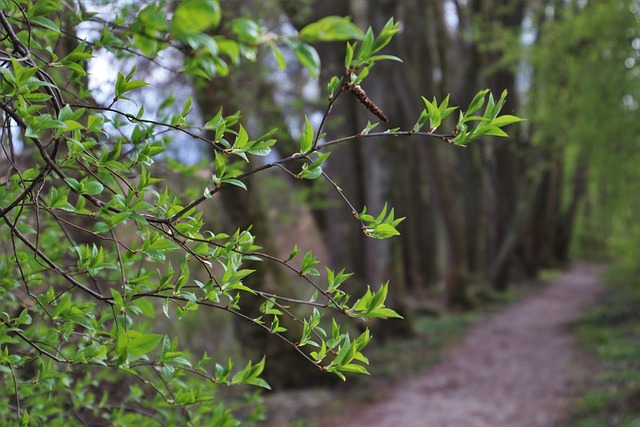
[(444, 181), (506, 156)]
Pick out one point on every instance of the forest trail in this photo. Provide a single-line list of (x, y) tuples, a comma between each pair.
[(515, 369)]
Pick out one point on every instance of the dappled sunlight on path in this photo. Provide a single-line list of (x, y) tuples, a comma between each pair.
[(517, 368)]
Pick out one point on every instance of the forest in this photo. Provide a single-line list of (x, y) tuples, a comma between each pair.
[(205, 202)]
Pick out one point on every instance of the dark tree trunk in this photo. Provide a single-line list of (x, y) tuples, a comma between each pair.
[(507, 177), (567, 222)]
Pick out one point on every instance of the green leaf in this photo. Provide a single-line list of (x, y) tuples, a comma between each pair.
[(331, 28), (235, 182), (259, 382), (249, 375), (382, 313), (261, 148), (25, 419), (72, 125), (352, 367), (139, 343), (476, 102), (306, 140), (37, 97), (424, 116), (117, 298), (495, 131), (186, 109), (307, 263), (135, 84), (385, 58), (46, 23), (309, 172), (366, 46), (320, 159), (76, 55), (348, 57), (241, 139), (194, 16), (165, 308), (124, 84), (383, 231), (216, 121), (282, 63), (307, 56), (386, 34), (121, 347), (100, 227), (370, 126), (336, 280), (462, 139), (333, 85), (380, 296), (505, 120), (293, 253), (146, 307), (92, 188), (44, 7), (363, 74), (73, 183), (433, 113), (342, 353), (246, 29), (364, 302)]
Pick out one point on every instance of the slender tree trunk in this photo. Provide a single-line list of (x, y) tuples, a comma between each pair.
[(567, 222), (444, 182), (505, 15)]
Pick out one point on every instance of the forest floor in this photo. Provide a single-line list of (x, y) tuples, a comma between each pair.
[(518, 367)]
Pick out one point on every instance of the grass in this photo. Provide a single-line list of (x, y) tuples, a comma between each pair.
[(398, 359), (611, 333)]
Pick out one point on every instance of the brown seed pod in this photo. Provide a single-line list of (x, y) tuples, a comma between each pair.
[(364, 99)]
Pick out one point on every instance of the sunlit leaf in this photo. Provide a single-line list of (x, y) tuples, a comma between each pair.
[(331, 28)]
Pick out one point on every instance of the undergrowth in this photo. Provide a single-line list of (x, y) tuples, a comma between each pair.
[(611, 332)]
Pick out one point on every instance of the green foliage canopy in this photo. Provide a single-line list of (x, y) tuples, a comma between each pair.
[(585, 106)]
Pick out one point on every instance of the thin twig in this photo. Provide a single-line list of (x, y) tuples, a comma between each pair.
[(16, 392), (332, 99), (55, 267)]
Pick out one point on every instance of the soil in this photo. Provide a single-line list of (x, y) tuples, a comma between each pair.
[(520, 367)]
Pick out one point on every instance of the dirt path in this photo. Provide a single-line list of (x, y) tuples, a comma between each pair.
[(517, 368)]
